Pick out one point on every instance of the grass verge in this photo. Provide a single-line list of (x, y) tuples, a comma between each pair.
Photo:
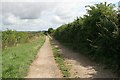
[(60, 61), (16, 60)]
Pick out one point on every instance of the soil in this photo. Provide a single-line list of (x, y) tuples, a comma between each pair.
[(44, 65)]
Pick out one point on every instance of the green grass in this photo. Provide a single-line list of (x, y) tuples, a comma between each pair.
[(60, 61), (16, 60), (0, 54)]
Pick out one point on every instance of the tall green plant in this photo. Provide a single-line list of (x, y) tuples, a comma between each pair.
[(97, 32)]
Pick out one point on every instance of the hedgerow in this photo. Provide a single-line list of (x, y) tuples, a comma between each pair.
[(97, 32)]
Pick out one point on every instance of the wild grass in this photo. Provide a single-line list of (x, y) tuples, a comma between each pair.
[(0, 63), (60, 61), (16, 60)]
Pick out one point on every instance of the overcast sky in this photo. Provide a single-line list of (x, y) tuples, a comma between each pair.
[(35, 15)]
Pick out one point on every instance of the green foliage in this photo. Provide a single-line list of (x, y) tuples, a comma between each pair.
[(17, 59), (50, 31), (96, 32), (12, 38), (60, 61)]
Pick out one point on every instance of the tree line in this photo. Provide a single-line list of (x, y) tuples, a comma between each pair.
[(96, 34)]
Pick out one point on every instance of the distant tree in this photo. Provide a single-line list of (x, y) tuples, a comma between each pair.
[(50, 30), (45, 32)]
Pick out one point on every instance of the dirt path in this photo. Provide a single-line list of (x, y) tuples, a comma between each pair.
[(80, 66), (44, 65)]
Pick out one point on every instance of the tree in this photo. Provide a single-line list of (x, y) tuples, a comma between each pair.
[(50, 30), (97, 32)]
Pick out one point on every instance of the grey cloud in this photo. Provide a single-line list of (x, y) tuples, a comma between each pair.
[(41, 15), (57, 20), (63, 15), (5, 20), (25, 10)]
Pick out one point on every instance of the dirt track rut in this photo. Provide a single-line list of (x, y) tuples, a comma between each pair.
[(81, 66)]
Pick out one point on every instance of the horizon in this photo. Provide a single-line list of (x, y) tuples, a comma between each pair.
[(39, 15)]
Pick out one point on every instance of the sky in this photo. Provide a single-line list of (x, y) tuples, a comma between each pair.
[(38, 15)]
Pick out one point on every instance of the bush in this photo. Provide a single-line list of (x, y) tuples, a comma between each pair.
[(12, 38), (96, 32)]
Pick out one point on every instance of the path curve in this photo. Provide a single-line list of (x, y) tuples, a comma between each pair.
[(44, 65)]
